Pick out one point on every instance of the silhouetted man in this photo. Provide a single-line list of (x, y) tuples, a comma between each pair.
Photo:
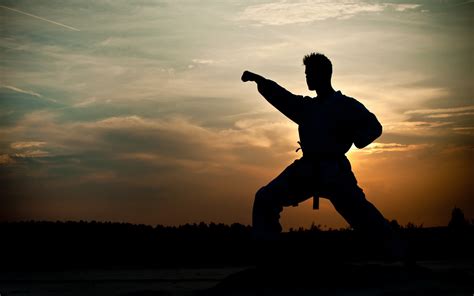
[(328, 125)]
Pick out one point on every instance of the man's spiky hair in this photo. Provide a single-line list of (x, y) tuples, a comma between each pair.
[(318, 61)]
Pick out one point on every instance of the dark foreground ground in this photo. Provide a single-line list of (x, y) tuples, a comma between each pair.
[(89, 258), (362, 278), (356, 278)]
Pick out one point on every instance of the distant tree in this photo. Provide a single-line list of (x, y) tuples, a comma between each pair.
[(394, 224), (315, 227), (458, 221), (411, 225)]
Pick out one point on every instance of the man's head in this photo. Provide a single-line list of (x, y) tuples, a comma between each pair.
[(318, 71)]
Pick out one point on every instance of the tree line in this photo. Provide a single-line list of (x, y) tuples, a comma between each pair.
[(61, 244)]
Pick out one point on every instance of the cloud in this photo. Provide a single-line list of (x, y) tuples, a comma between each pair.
[(23, 145), (25, 149), (416, 126), (446, 113), (402, 7), (6, 159), (392, 147), (145, 160), (442, 110), (468, 131), (28, 92), (293, 12), (441, 121), (203, 61), (172, 134), (31, 154), (41, 18), (174, 140), (23, 91), (86, 102)]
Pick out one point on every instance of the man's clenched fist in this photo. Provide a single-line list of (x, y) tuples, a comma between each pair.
[(249, 76)]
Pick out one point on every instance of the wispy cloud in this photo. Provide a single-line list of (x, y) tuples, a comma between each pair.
[(402, 7), (23, 145), (86, 102), (290, 12), (40, 18), (447, 115), (469, 131), (419, 128), (26, 91), (23, 91), (203, 61), (453, 111), (392, 147), (454, 119), (6, 159), (31, 154)]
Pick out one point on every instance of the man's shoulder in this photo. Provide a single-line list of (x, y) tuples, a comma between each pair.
[(349, 101), (308, 99), (345, 97)]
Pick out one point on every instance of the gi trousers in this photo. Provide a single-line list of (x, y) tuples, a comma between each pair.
[(331, 178)]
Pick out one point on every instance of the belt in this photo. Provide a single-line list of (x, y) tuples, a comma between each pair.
[(319, 156)]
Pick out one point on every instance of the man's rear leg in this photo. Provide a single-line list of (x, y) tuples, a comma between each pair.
[(364, 217)]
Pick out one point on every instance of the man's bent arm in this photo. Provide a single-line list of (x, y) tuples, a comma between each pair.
[(287, 103), (368, 128)]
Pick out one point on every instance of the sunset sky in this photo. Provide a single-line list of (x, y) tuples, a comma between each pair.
[(134, 111)]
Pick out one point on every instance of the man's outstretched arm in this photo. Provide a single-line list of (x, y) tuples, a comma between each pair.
[(287, 103)]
